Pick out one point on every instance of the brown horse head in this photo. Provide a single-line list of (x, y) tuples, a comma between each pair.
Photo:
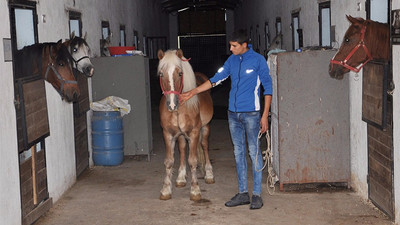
[(176, 76), (363, 41), (57, 70), (52, 62)]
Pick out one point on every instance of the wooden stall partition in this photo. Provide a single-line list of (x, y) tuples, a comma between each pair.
[(32, 115), (374, 97), (377, 112), (35, 199), (80, 125), (32, 128)]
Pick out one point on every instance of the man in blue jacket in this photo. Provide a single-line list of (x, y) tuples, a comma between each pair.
[(247, 70)]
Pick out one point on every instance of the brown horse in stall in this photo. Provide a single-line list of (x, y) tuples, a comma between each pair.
[(187, 122), (363, 41), (52, 62)]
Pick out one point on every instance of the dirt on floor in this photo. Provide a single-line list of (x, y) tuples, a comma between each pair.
[(129, 194)]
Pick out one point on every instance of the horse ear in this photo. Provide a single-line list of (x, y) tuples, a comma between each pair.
[(85, 36), (179, 53), (354, 20), (72, 35), (59, 43), (160, 54)]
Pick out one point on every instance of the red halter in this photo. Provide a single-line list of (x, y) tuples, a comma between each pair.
[(360, 44), (172, 92)]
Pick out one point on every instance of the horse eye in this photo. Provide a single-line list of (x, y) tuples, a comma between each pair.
[(346, 39), (180, 74), (75, 50), (160, 74), (61, 64)]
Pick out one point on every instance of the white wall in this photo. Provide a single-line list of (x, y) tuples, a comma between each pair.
[(396, 123), (358, 128), (10, 207), (60, 151)]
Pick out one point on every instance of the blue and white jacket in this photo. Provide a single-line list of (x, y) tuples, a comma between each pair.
[(247, 72)]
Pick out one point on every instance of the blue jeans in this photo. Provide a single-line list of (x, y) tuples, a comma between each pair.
[(242, 125)]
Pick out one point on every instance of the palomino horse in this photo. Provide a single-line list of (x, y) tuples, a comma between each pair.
[(363, 41), (185, 122), (52, 62), (79, 50)]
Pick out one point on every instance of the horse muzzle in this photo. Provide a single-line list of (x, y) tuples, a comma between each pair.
[(88, 71), (172, 102), (71, 94), (336, 71)]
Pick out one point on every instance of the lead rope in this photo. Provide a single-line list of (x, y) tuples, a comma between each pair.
[(267, 157)]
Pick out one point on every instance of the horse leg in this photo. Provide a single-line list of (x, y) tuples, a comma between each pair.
[(181, 179), (209, 178), (195, 194), (201, 161), (166, 191)]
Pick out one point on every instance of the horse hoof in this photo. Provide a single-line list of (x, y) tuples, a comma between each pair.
[(180, 184), (165, 197), (195, 198), (210, 180)]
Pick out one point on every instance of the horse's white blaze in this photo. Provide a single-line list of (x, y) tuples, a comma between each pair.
[(171, 84), (171, 102)]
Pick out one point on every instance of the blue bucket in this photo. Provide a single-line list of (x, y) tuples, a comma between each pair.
[(107, 138)]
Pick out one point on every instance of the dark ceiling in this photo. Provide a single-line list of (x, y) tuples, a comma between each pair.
[(175, 5)]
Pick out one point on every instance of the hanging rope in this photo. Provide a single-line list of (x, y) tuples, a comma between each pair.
[(267, 158)]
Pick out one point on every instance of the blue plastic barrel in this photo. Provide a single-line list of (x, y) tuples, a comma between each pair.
[(107, 138)]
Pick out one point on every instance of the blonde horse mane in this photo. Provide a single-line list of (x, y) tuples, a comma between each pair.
[(189, 79)]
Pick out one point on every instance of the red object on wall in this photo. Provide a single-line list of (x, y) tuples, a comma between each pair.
[(120, 50)]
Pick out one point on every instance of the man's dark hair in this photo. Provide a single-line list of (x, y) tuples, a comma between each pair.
[(240, 36)]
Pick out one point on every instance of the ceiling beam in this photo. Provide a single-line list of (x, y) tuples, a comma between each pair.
[(175, 5)]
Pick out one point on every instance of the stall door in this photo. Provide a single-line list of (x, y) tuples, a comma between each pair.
[(310, 121), (377, 112), (80, 125), (32, 118)]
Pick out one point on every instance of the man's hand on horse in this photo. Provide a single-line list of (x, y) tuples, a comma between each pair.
[(185, 96)]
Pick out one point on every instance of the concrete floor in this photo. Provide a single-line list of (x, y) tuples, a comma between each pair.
[(129, 194)]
